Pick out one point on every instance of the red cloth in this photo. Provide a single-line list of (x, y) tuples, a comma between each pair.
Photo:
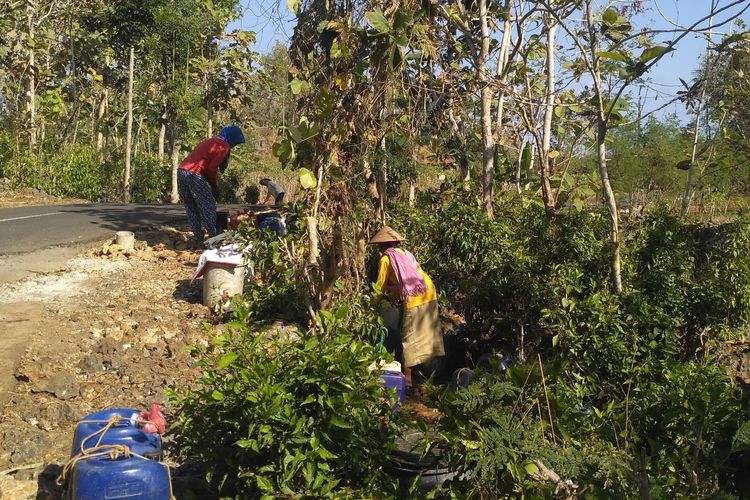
[(206, 158), (153, 420)]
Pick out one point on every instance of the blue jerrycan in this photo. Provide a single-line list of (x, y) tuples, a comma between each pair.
[(119, 474)]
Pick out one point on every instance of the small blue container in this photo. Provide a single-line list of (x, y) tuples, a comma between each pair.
[(395, 380), (147, 444), (133, 478)]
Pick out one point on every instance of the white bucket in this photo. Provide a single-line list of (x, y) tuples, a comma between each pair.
[(125, 240), (222, 280)]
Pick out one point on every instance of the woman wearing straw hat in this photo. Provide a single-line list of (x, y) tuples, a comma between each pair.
[(402, 280)]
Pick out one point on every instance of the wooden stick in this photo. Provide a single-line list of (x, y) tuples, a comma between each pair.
[(22, 467), (546, 396)]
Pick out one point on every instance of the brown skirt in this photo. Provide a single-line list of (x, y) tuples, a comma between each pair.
[(421, 335)]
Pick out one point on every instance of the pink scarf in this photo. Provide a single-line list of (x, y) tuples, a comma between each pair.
[(410, 282)]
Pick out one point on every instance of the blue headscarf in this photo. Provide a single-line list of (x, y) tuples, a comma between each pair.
[(232, 134)]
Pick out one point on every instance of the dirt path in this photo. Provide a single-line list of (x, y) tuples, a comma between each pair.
[(109, 331)]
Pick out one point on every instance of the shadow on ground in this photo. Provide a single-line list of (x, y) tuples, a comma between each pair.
[(191, 293)]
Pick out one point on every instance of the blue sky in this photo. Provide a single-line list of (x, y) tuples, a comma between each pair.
[(272, 21)]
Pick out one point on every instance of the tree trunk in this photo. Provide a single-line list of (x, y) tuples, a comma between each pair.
[(488, 140), (502, 63), (138, 136), (129, 131), (372, 187), (31, 82), (162, 134), (544, 156), (609, 200), (457, 129), (99, 117), (519, 164), (693, 153), (601, 136), (174, 148), (381, 177), (689, 181), (210, 117)]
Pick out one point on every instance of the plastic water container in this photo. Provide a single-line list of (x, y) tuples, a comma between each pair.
[(397, 381), (132, 478), (126, 433)]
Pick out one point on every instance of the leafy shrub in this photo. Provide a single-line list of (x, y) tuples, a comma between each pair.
[(75, 172), (637, 359), (24, 170), (7, 150), (292, 417), (274, 293), (724, 296), (498, 429), (151, 179)]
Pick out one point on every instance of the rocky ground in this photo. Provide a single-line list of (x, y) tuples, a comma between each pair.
[(110, 332)]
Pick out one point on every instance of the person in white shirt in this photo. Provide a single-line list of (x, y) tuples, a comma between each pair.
[(274, 192)]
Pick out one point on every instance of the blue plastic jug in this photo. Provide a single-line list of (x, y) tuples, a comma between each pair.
[(397, 381), (124, 433), (133, 478)]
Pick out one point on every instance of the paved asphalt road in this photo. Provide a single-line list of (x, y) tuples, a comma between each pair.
[(29, 229)]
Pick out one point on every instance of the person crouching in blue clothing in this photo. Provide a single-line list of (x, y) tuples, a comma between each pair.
[(196, 179)]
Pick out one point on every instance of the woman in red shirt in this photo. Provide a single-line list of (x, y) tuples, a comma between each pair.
[(196, 179)]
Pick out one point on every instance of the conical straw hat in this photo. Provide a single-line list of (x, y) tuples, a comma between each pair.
[(386, 235)]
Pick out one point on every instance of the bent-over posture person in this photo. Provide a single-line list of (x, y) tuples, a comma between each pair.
[(274, 192), (403, 282), (196, 179)]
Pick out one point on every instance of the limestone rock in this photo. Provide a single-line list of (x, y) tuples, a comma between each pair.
[(13, 489)]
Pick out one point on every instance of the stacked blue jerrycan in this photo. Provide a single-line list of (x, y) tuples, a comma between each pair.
[(395, 380), (103, 477), (392, 378)]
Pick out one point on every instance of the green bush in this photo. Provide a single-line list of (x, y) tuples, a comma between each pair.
[(638, 359), (7, 150), (75, 173), (24, 170), (498, 430), (151, 180), (292, 417)]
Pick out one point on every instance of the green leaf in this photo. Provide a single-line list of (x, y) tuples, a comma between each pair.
[(226, 360), (248, 443), (610, 16), (531, 468), (297, 86), (263, 483), (307, 178), (294, 5), (612, 55), (579, 204), (378, 21), (401, 19), (396, 57), (654, 52), (325, 454), (339, 422), (218, 396)]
